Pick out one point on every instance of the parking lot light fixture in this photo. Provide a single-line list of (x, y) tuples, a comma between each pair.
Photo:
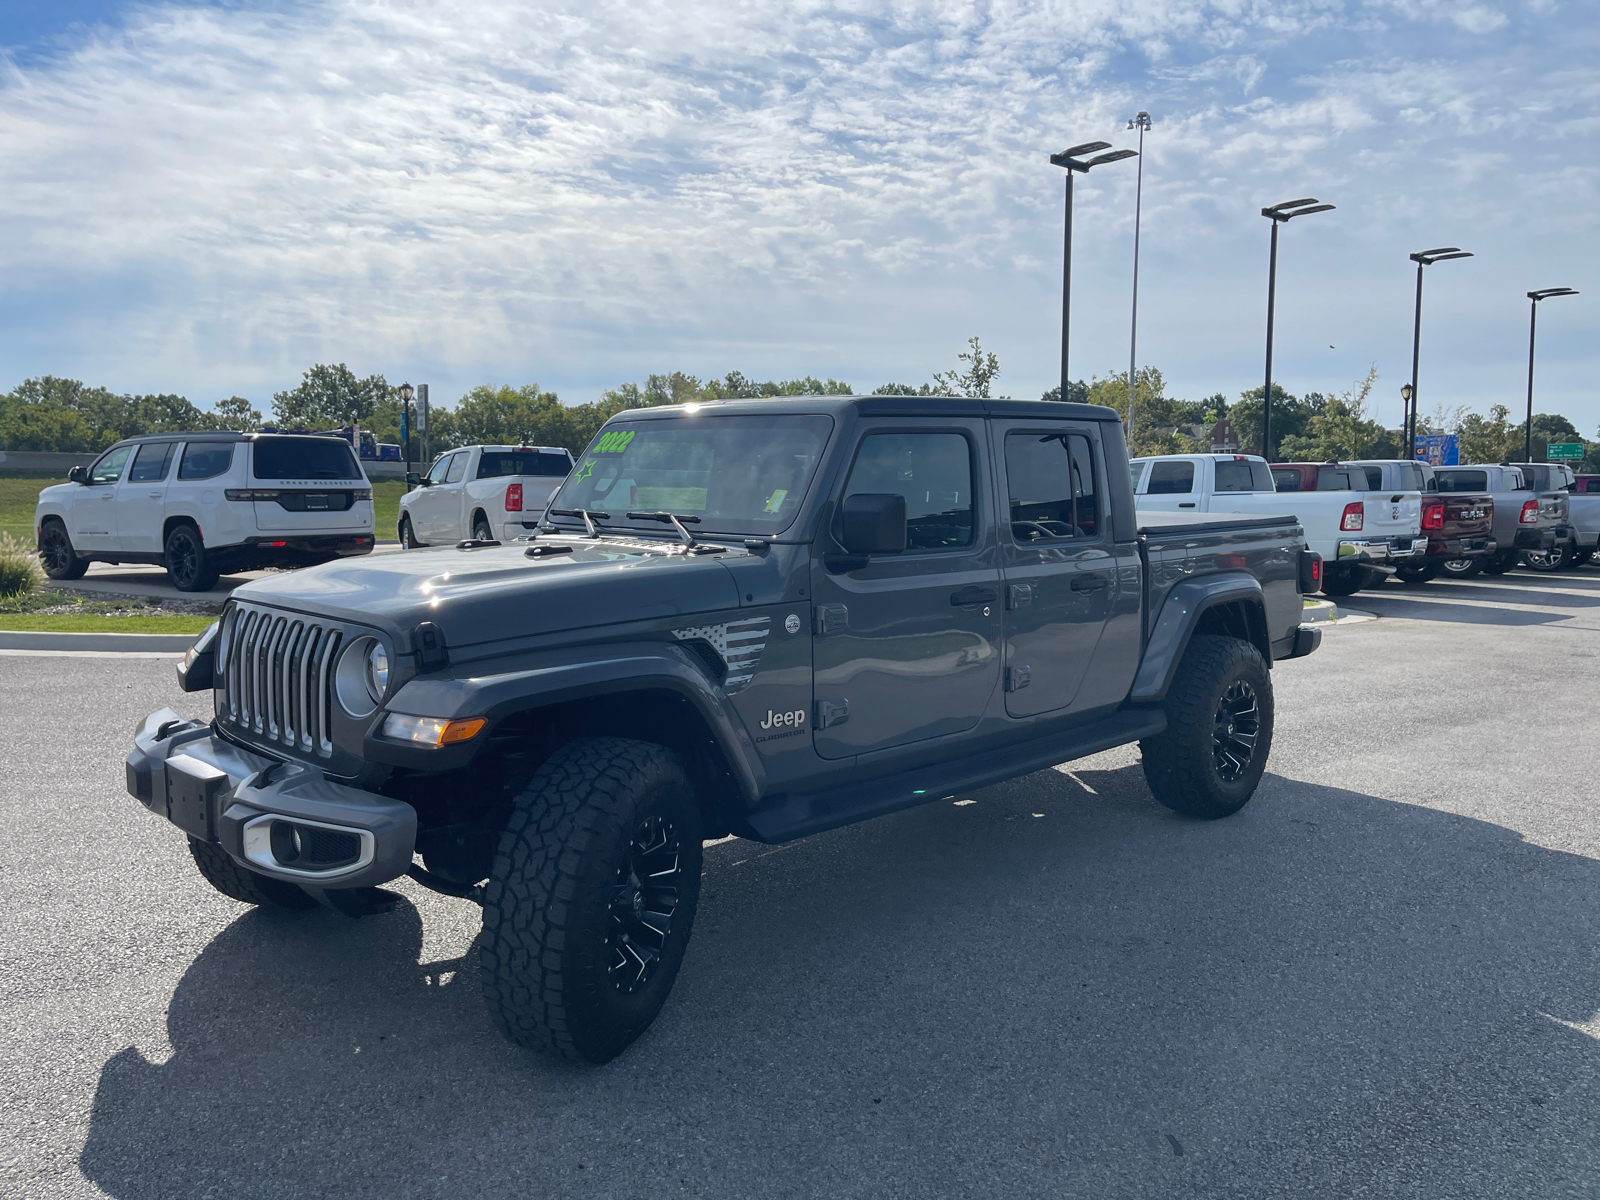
[(1073, 160), (1278, 214), (406, 393), (1141, 122), (1423, 258), (1533, 319)]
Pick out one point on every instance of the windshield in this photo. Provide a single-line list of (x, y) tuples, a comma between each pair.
[(305, 458), (737, 474)]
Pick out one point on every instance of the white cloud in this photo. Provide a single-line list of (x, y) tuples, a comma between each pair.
[(213, 198)]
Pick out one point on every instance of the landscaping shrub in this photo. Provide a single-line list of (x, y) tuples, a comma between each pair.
[(20, 572)]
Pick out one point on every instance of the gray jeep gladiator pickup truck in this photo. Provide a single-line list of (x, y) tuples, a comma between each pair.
[(767, 618)]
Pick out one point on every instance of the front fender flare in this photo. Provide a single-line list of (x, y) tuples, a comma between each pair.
[(542, 679), (1176, 623)]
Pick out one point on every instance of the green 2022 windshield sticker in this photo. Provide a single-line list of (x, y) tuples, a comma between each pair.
[(614, 442)]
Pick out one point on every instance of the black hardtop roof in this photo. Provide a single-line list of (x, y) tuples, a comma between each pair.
[(875, 406)]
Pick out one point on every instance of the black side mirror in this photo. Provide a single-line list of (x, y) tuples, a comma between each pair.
[(197, 671), (413, 479), (873, 523), (78, 475)]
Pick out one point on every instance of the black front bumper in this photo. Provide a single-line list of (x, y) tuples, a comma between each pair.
[(282, 819)]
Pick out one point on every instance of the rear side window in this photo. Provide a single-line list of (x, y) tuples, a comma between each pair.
[(1411, 478), (1286, 480), (1374, 478), (1136, 473), (109, 468), (1462, 481), (305, 458), (151, 463), (933, 471), (1171, 479), (1340, 479), (499, 463), (1051, 481), (458, 468), (205, 460), (1236, 476)]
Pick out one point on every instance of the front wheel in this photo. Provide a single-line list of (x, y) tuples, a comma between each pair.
[(187, 565), (1415, 576), (408, 536), (1499, 562), (1219, 730), (1581, 556), (1462, 568), (1342, 581), (591, 898), (60, 560)]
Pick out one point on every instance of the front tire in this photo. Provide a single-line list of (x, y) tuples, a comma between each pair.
[(408, 536), (1416, 576), (60, 560), (1342, 581), (245, 886), (188, 566), (1462, 568), (591, 898), (1499, 562), (1211, 757)]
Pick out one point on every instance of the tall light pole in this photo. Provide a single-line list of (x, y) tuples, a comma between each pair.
[(1141, 122), (1278, 213), (1423, 258), (1533, 318), (1074, 162)]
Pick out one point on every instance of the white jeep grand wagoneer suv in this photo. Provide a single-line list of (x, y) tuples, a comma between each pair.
[(201, 504)]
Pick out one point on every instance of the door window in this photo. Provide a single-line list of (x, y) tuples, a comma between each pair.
[(1236, 476), (1171, 479), (933, 471), (151, 463), (1051, 483), (440, 465), (205, 460), (109, 468), (1287, 479), (458, 468)]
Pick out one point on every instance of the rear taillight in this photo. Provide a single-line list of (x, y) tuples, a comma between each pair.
[(1310, 571), (1530, 512), (1433, 516), (1355, 517), (513, 497)]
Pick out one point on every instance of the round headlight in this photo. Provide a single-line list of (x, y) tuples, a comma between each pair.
[(355, 678), (378, 670)]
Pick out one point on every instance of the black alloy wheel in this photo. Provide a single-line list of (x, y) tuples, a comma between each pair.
[(1236, 727), (643, 902), (60, 560), (186, 561)]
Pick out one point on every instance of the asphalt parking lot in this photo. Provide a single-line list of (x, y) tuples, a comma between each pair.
[(1379, 979)]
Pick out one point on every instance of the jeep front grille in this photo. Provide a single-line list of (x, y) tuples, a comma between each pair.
[(278, 676)]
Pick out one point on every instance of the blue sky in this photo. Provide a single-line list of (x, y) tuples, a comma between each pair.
[(209, 198)]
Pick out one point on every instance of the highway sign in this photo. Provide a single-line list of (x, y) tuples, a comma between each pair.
[(1565, 450)]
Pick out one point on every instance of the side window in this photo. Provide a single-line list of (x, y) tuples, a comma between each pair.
[(109, 468), (441, 464), (1235, 476), (1171, 479), (933, 471), (151, 463), (1287, 479), (1136, 473), (205, 460), (458, 467)]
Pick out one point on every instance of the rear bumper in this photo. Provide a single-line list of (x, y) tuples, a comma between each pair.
[(291, 546), (1544, 539), (1464, 547), (1386, 550), (284, 820), (1298, 644), (521, 525)]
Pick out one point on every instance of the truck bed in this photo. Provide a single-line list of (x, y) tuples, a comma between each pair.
[(1158, 524)]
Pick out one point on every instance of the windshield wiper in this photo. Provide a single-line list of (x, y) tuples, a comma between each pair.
[(676, 520), (590, 516)]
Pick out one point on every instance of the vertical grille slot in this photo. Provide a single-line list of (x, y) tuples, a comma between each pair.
[(279, 678)]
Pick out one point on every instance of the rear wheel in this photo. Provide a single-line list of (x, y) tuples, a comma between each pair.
[(1547, 560), (1342, 580), (60, 560), (481, 531), (1219, 730), (1581, 556), (237, 883), (1461, 568), (591, 898), (187, 565), (1414, 575), (1500, 562)]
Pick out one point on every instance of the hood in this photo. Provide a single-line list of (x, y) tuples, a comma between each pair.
[(489, 595)]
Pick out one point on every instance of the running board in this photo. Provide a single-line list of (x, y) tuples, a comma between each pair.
[(802, 815)]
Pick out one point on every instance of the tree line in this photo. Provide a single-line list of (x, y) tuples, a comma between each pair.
[(51, 413)]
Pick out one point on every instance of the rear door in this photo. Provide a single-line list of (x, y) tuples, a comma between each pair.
[(1171, 485), (907, 647), (142, 497), (318, 484), (1056, 559)]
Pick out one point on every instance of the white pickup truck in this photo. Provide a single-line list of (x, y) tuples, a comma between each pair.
[(486, 493), (1360, 535)]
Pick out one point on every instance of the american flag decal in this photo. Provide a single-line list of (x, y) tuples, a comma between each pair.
[(740, 644)]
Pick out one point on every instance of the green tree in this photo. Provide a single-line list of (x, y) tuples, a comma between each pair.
[(1077, 392), (50, 413), (981, 371), (1337, 427), (331, 396), (236, 413), (1487, 439)]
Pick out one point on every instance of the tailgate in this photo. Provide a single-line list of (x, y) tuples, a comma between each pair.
[(314, 510), (537, 490), (1392, 514), (1467, 516)]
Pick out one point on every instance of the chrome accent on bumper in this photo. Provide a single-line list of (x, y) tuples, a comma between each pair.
[(256, 840), (1362, 550)]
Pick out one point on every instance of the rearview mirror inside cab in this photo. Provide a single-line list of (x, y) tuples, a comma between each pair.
[(873, 523)]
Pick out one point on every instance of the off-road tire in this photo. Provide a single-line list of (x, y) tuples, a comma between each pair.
[(1342, 581), (1499, 562), (60, 560), (237, 883), (1580, 557), (188, 566), (1182, 764), (1461, 568), (408, 535), (481, 531), (556, 898), (1416, 576)]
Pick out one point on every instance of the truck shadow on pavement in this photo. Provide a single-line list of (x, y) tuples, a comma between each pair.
[(1048, 991)]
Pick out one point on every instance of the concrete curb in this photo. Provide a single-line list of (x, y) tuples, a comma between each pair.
[(100, 643)]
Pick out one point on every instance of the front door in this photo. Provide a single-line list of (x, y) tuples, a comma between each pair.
[(92, 519), (431, 510), (142, 498), (908, 647), (1056, 558)]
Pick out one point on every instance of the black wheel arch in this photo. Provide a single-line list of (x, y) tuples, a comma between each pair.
[(1230, 604)]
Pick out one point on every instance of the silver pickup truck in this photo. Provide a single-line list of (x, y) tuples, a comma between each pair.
[(1584, 506), (1527, 518)]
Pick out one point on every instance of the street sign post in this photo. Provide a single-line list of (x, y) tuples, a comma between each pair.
[(1565, 450)]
